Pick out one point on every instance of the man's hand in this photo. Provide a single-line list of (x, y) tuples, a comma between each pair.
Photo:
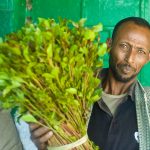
[(40, 135)]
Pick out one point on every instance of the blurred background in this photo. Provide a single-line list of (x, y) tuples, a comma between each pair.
[(15, 13)]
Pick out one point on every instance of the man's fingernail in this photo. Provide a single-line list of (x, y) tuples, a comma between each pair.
[(50, 133)]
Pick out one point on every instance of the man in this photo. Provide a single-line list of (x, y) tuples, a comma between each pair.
[(121, 119)]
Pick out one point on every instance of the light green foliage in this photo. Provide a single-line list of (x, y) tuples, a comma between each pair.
[(29, 118), (49, 70)]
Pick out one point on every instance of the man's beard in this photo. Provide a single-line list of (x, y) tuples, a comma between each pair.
[(118, 76)]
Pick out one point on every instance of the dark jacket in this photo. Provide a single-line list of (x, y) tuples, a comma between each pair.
[(114, 133), (118, 132)]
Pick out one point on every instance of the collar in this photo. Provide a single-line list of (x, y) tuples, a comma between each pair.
[(131, 92)]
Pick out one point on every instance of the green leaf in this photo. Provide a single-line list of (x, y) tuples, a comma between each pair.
[(98, 28), (17, 79), (29, 68), (4, 76), (7, 90), (102, 49), (82, 22), (76, 103), (47, 76), (3, 83), (15, 84), (26, 54), (71, 90), (29, 118), (49, 51), (6, 105), (55, 72), (1, 60), (84, 50), (99, 63), (16, 50), (44, 23), (75, 24), (89, 35)]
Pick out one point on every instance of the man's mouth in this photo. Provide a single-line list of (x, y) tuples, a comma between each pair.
[(126, 69)]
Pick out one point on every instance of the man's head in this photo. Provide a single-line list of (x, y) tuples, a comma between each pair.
[(129, 48)]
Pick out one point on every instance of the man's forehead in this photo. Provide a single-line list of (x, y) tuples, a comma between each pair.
[(131, 25), (132, 28), (126, 25)]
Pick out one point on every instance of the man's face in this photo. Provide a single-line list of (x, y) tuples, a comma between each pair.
[(129, 51)]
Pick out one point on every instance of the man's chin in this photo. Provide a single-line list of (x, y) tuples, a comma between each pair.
[(125, 79), (122, 77)]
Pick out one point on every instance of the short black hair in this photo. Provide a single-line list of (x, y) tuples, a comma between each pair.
[(137, 20)]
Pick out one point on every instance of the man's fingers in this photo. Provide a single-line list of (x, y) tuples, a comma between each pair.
[(41, 146), (40, 135), (40, 132), (45, 137), (33, 126)]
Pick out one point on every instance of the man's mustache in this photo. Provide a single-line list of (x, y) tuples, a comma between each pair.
[(127, 66)]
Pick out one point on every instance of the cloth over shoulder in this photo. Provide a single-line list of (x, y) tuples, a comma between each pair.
[(9, 139), (142, 99)]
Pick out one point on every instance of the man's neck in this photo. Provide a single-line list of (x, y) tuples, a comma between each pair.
[(115, 87)]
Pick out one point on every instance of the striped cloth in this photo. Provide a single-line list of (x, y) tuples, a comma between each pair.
[(142, 100)]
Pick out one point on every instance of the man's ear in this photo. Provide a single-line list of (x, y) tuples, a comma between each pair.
[(149, 56), (109, 44)]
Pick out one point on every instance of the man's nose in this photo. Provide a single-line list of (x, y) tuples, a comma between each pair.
[(130, 57)]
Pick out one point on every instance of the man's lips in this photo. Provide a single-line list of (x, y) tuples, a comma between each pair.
[(125, 68)]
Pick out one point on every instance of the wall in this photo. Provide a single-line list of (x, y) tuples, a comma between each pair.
[(106, 11)]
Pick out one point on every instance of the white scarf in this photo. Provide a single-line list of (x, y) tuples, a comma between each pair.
[(142, 100)]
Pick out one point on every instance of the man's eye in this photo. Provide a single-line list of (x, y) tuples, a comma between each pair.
[(124, 46), (141, 51)]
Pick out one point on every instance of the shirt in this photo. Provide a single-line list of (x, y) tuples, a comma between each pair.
[(118, 132), (112, 101)]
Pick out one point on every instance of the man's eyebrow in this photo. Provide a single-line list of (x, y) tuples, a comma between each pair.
[(140, 47)]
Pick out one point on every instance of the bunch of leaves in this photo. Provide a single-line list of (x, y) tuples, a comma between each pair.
[(49, 70)]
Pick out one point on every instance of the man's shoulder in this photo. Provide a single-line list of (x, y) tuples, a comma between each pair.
[(146, 87), (147, 90)]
